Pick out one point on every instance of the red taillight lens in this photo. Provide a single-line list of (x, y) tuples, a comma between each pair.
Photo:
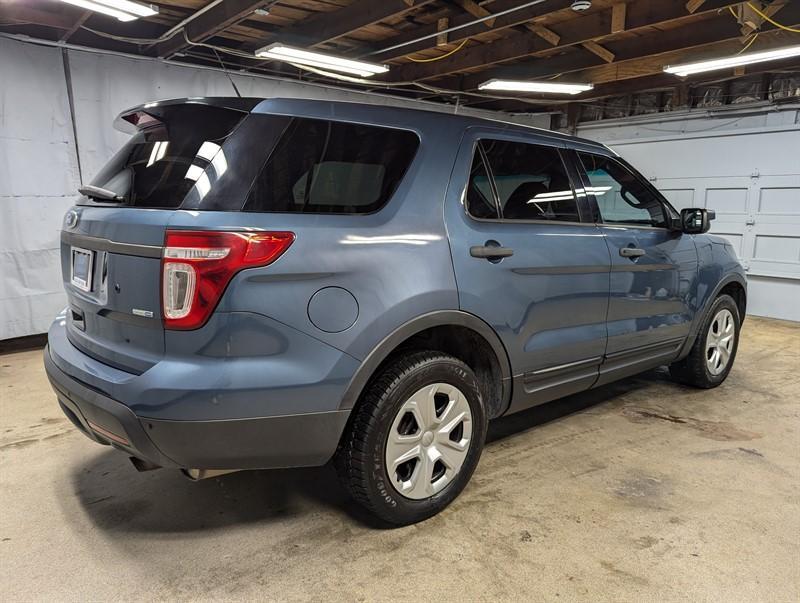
[(198, 264)]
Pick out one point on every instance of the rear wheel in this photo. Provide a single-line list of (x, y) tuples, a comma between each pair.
[(415, 438), (714, 350)]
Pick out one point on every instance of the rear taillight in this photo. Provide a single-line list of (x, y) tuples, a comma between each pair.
[(198, 265)]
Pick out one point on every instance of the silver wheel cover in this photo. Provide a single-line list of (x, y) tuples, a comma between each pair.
[(428, 441), (719, 342)]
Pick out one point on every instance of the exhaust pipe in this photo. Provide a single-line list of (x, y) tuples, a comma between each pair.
[(143, 465), (197, 474)]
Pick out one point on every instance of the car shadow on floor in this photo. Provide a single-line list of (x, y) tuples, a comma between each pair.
[(119, 499)]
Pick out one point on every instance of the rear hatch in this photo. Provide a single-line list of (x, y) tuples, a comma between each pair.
[(112, 240)]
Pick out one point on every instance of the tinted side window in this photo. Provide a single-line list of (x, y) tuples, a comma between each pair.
[(621, 197), (531, 181), (322, 166), (480, 198)]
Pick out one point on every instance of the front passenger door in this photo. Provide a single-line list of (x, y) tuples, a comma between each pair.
[(653, 268)]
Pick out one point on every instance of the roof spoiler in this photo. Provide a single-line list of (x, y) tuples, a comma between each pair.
[(149, 115)]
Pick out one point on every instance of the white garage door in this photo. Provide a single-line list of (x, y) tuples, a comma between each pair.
[(751, 179)]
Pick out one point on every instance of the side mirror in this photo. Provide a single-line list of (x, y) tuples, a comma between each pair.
[(696, 220)]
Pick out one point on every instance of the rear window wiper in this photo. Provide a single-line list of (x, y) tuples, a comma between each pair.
[(96, 192)]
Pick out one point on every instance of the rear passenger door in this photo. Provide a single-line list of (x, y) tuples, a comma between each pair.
[(653, 267), (529, 261)]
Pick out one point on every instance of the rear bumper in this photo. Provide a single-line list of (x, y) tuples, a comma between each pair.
[(298, 440)]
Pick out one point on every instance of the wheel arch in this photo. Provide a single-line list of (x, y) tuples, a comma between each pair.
[(435, 327), (734, 285)]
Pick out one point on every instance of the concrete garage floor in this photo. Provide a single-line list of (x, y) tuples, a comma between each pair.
[(643, 490)]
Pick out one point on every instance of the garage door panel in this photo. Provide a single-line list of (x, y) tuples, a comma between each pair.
[(775, 252), (774, 222), (727, 201), (680, 198), (735, 239), (752, 182), (780, 201)]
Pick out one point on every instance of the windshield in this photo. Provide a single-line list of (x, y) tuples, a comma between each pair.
[(158, 166)]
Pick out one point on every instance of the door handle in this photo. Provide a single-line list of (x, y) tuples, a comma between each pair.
[(631, 252), (490, 252)]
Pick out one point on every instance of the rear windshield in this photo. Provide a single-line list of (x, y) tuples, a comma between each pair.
[(321, 166), (199, 159), (158, 166)]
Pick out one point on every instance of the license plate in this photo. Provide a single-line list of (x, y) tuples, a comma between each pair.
[(82, 264)]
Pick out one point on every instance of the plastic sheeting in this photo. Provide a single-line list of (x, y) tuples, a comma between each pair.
[(38, 178), (38, 162)]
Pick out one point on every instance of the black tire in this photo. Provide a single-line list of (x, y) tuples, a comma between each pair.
[(361, 459), (693, 370)]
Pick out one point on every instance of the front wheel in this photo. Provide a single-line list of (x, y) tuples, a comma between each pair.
[(714, 350), (415, 438)]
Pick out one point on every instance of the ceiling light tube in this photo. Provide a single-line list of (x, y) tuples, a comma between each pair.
[(289, 54), (733, 61), (124, 10), (525, 86)]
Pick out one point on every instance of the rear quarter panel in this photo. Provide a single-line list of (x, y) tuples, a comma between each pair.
[(395, 262)]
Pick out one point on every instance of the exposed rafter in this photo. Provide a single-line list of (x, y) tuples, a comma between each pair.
[(664, 81), (654, 64), (209, 24), (512, 19), (589, 28), (631, 54), (328, 26), (17, 12), (617, 43)]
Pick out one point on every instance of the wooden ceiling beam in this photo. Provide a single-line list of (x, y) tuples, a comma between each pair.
[(664, 81), (476, 10), (209, 24), (75, 26), (327, 26), (649, 83), (587, 28), (693, 5), (692, 36), (618, 15), (650, 65), (13, 11), (544, 33), (600, 51), (751, 21), (519, 17)]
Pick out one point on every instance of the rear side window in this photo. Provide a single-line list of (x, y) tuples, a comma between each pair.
[(158, 166), (531, 182), (480, 198), (331, 167)]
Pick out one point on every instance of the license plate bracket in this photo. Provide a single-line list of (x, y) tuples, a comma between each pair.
[(82, 266)]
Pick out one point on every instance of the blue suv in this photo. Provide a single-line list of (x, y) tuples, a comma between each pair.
[(277, 283)]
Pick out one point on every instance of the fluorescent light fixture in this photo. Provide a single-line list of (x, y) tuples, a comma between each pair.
[(734, 61), (523, 86), (124, 10), (281, 52)]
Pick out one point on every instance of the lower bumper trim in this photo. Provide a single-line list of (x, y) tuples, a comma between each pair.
[(302, 440)]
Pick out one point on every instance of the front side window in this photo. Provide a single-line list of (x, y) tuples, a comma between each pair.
[(621, 197), (321, 166), (531, 182)]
